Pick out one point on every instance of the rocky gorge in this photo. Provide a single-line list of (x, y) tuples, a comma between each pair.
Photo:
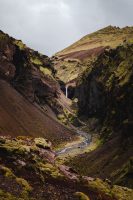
[(66, 122)]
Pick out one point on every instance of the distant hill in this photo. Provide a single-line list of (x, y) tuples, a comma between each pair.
[(73, 60)]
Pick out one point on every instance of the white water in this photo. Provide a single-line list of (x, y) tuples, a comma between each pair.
[(66, 91)]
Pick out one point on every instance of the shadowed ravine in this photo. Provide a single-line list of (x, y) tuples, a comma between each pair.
[(81, 145)]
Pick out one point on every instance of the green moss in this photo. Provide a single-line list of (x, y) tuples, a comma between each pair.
[(22, 137), (123, 72), (110, 38), (70, 116), (7, 196), (3, 36), (51, 170), (122, 193), (7, 172), (36, 61), (15, 147), (26, 188), (130, 40), (42, 143), (62, 118), (110, 81), (25, 185), (45, 71), (81, 196), (67, 116), (106, 190), (98, 185), (20, 44)]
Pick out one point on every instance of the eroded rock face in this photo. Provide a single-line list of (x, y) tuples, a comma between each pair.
[(31, 73), (31, 97), (100, 64), (105, 93), (109, 86), (29, 171)]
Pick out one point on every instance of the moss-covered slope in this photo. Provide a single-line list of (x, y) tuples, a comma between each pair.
[(28, 171), (107, 90), (75, 59), (105, 93)]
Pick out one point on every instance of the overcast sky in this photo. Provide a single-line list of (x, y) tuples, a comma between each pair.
[(51, 25)]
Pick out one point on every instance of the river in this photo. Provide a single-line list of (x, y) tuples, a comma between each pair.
[(86, 141)]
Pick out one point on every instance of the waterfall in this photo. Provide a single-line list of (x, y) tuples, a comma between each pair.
[(66, 91)]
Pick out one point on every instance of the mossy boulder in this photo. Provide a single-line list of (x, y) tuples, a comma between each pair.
[(14, 146), (122, 193), (34, 175), (20, 44), (81, 196), (7, 172), (42, 143)]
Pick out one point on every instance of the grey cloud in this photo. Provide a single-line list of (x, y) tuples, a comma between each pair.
[(118, 12), (50, 25)]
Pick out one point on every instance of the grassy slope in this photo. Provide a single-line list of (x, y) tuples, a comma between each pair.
[(73, 60), (109, 36)]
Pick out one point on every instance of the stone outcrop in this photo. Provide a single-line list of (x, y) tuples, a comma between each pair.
[(30, 73), (105, 92)]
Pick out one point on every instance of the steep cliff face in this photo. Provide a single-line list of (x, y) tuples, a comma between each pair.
[(29, 72), (26, 72), (104, 92), (103, 87), (21, 117), (106, 89), (102, 71)]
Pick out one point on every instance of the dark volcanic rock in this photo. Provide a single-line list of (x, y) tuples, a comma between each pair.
[(29, 72), (107, 89), (105, 93)]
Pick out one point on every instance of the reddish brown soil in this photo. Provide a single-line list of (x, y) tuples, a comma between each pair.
[(20, 117), (81, 55)]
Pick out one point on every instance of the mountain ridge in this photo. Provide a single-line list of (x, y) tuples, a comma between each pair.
[(55, 101), (74, 59)]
